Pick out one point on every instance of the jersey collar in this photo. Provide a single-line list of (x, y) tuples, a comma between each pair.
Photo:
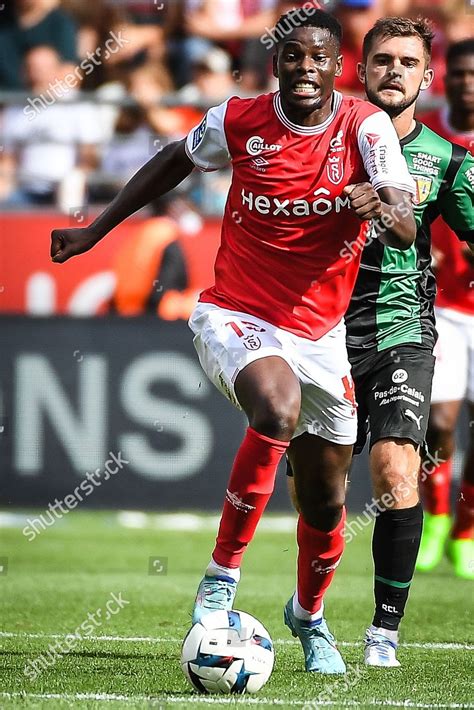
[(411, 136), (307, 130)]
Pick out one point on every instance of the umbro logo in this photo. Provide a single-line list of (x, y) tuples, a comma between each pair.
[(259, 164)]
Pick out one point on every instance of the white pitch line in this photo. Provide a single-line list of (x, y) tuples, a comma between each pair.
[(431, 646), (78, 696), (246, 700), (313, 703)]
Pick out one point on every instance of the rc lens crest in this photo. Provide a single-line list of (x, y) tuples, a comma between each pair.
[(423, 188)]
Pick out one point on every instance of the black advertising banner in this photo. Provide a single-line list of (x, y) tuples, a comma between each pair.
[(77, 393), (119, 411)]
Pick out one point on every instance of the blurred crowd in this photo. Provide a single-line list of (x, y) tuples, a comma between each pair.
[(91, 89)]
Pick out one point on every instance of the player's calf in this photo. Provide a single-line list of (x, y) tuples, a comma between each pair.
[(269, 393), (397, 532)]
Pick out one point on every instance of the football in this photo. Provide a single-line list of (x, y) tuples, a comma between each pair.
[(227, 652)]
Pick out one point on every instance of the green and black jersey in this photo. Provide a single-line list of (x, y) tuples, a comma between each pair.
[(393, 300)]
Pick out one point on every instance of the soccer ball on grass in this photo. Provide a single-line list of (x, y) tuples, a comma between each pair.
[(227, 652)]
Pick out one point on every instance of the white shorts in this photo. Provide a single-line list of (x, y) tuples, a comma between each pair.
[(454, 369), (227, 341)]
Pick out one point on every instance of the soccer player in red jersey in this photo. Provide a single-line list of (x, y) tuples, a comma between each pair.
[(310, 168), (454, 372)]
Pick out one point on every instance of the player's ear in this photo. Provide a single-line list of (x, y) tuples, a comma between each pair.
[(428, 77), (275, 64), (361, 72), (339, 64)]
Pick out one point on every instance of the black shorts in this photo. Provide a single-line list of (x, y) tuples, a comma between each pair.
[(393, 393)]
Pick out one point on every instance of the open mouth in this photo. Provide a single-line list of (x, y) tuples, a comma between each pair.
[(305, 88)]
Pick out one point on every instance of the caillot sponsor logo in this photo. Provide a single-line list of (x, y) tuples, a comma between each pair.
[(256, 145)]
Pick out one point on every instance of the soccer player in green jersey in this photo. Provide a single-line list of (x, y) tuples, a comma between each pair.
[(390, 322)]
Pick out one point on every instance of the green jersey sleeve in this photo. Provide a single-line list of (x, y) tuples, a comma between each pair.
[(456, 204)]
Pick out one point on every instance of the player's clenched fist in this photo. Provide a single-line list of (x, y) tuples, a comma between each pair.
[(364, 200), (70, 242)]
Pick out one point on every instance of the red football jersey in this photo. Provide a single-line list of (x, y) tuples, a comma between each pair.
[(454, 275), (287, 231)]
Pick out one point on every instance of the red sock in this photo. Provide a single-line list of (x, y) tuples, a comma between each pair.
[(250, 487), (318, 556), (464, 521), (436, 487)]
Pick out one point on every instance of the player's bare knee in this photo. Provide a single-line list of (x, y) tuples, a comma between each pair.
[(324, 511), (324, 517), (395, 484), (277, 417), (396, 480), (395, 468)]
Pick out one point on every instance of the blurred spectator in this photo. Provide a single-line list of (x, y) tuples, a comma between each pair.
[(397, 8), (131, 146), (150, 268), (44, 141), (212, 81), (95, 20), (356, 17), (235, 24), (140, 23), (184, 49), (34, 23), (141, 129), (458, 22), (226, 20), (285, 6), (148, 85)]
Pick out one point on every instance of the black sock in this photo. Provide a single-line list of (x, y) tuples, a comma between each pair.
[(395, 546)]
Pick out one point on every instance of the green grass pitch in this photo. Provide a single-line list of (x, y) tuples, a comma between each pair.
[(52, 583)]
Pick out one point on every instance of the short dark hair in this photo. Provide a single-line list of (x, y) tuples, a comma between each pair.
[(318, 19), (400, 27), (459, 49)]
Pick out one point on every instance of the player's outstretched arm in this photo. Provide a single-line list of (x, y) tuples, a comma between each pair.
[(390, 208), (157, 177)]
